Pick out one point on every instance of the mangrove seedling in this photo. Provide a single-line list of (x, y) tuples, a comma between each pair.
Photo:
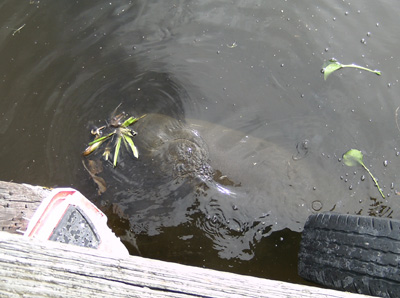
[(354, 157), (333, 65), (120, 131)]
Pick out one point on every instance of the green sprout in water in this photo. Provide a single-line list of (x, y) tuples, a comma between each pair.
[(334, 65), (354, 157), (121, 131)]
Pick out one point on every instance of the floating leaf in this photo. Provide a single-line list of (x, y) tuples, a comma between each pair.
[(107, 153), (331, 67), (127, 132), (128, 141), (102, 139), (91, 148), (123, 134), (96, 144), (354, 157), (116, 152), (131, 120), (334, 65)]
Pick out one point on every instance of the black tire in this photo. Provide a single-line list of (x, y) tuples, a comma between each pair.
[(359, 254)]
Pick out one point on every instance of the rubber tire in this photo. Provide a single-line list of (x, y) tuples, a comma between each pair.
[(359, 254)]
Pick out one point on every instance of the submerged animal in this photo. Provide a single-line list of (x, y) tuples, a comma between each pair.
[(235, 188)]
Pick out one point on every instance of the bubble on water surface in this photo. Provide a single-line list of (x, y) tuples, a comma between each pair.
[(302, 148), (316, 205)]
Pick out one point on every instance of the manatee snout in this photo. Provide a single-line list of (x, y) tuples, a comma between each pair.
[(176, 148)]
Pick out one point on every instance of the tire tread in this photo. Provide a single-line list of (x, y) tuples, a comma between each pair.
[(353, 253)]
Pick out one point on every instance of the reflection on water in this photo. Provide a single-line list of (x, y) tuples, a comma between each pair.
[(246, 138)]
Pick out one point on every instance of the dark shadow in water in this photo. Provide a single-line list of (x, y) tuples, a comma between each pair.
[(275, 256)]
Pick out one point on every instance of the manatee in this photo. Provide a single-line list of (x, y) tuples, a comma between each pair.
[(244, 187), (174, 146)]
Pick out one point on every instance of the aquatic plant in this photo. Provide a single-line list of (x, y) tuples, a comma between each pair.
[(333, 65), (354, 157), (121, 132)]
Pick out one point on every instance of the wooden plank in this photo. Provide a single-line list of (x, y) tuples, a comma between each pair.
[(18, 202), (34, 268)]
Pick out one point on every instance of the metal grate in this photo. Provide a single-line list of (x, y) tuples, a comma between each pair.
[(75, 228)]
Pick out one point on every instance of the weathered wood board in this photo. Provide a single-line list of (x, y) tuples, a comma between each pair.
[(33, 268), (18, 202)]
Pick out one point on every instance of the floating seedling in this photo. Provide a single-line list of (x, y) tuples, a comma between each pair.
[(354, 157), (121, 132), (333, 65)]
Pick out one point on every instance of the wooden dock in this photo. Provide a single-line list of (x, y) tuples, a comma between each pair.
[(37, 268)]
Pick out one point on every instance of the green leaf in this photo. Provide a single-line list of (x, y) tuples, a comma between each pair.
[(96, 144), (102, 139), (128, 141), (127, 132), (353, 157), (116, 152), (131, 120), (332, 66), (91, 148)]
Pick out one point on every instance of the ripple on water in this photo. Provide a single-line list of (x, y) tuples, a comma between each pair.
[(232, 66)]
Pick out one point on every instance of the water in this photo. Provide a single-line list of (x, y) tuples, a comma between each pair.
[(246, 77)]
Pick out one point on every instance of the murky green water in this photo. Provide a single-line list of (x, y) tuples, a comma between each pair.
[(245, 75)]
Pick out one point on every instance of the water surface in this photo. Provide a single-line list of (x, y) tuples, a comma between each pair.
[(245, 75)]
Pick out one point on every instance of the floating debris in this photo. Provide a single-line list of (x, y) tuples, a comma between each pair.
[(122, 132)]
